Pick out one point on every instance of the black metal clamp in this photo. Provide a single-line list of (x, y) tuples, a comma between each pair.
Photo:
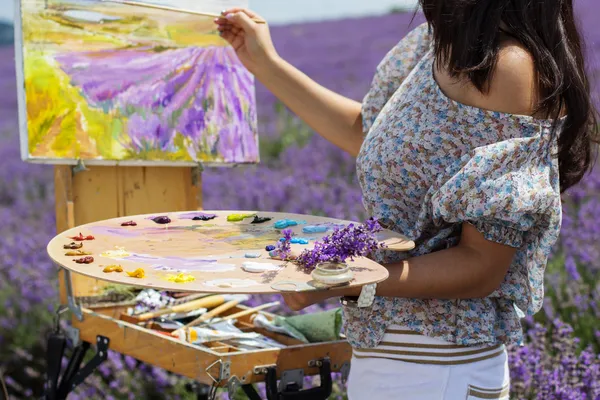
[(290, 386), (74, 375)]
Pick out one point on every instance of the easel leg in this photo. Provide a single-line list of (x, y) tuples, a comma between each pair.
[(73, 376), (251, 392), (54, 353)]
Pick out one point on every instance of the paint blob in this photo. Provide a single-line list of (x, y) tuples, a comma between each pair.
[(260, 220), (118, 253), (138, 273), (181, 278), (315, 229), (182, 263), (255, 267), (296, 240), (81, 237), (112, 268), (252, 255), (75, 253), (197, 216), (285, 223), (85, 260), (238, 217), (163, 219)]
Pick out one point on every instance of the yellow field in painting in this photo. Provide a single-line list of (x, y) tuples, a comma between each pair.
[(61, 123)]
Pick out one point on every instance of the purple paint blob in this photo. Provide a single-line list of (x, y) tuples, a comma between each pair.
[(163, 219), (182, 263)]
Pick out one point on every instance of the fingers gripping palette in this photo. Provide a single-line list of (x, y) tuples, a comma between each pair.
[(208, 251)]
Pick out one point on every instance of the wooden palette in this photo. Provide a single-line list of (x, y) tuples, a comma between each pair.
[(213, 252)]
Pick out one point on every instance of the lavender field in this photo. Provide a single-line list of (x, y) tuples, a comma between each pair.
[(300, 172)]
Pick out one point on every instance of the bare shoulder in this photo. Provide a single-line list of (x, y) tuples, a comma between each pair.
[(513, 86)]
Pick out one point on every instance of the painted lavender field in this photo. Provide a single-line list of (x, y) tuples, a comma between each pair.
[(113, 82), (300, 172)]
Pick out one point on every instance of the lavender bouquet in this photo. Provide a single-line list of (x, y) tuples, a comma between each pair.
[(343, 244)]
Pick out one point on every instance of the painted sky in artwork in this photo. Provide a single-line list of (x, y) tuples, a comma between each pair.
[(111, 82)]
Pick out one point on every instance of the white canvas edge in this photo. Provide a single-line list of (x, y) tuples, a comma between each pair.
[(19, 69), (24, 134)]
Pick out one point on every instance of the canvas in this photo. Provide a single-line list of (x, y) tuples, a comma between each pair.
[(110, 83)]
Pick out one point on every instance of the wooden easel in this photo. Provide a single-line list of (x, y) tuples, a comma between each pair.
[(108, 192)]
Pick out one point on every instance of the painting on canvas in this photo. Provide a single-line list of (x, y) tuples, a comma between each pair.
[(112, 83)]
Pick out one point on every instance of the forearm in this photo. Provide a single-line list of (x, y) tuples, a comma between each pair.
[(460, 272), (335, 117), (454, 273)]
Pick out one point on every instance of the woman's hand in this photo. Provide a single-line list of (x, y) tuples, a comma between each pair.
[(300, 300), (335, 117), (251, 41)]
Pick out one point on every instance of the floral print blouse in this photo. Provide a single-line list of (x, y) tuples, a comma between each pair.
[(428, 164)]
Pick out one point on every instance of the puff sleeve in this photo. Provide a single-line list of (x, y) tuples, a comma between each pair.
[(392, 71), (508, 190)]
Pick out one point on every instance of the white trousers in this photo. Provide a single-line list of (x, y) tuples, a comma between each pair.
[(383, 379)]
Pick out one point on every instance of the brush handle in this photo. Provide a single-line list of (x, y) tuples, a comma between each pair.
[(205, 302), (251, 311), (216, 311), (167, 8), (180, 331), (188, 298)]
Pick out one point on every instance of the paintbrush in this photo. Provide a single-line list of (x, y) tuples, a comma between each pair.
[(242, 313), (205, 302), (212, 313), (167, 8), (190, 297)]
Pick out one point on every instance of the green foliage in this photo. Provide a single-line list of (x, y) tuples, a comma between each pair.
[(293, 132), (569, 300)]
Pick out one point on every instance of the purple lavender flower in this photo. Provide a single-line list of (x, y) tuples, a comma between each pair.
[(284, 249), (343, 244)]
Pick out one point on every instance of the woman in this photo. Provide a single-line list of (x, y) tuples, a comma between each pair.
[(473, 126)]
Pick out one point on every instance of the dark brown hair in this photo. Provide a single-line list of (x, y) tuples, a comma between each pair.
[(466, 37)]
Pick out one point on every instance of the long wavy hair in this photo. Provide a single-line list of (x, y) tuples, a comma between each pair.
[(467, 36)]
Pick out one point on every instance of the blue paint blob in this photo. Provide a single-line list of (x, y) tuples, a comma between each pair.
[(285, 223), (270, 247), (315, 229), (296, 240)]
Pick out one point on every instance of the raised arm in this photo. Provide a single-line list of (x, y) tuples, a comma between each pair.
[(335, 117)]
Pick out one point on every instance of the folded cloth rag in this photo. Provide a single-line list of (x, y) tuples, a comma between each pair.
[(323, 326)]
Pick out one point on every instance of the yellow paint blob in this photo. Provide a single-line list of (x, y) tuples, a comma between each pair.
[(75, 253), (180, 278), (239, 217), (138, 273), (113, 268), (118, 253)]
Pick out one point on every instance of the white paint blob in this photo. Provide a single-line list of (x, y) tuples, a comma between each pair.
[(118, 253), (250, 266)]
